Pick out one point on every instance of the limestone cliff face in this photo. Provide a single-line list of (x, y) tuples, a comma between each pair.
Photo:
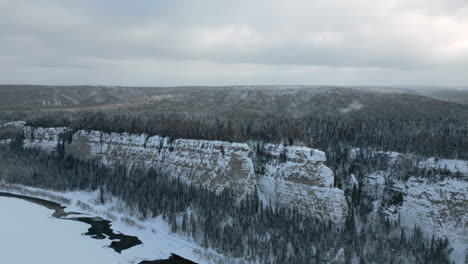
[(45, 138), (439, 208), (214, 164), (297, 176), (298, 164), (293, 176)]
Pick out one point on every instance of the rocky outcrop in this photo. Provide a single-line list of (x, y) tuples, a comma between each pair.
[(44, 138), (437, 205), (214, 164), (439, 208), (292, 176), (298, 164)]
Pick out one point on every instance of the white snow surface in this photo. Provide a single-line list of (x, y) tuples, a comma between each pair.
[(28, 234), (158, 241)]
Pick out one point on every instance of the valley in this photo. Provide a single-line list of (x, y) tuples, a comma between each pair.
[(367, 186)]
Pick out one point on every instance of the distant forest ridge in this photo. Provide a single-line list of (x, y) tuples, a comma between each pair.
[(319, 117), (27, 97)]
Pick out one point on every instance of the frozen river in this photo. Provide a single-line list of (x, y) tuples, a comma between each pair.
[(29, 234), (34, 230)]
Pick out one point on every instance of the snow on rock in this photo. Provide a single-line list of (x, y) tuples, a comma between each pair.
[(439, 208), (18, 124), (214, 164), (5, 141), (44, 138), (391, 155), (293, 176), (323, 203), (299, 164), (297, 176), (353, 180), (453, 166)]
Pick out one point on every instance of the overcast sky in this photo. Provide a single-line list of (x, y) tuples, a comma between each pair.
[(215, 42)]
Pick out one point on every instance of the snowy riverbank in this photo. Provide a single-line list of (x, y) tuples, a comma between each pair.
[(30, 235), (158, 241)]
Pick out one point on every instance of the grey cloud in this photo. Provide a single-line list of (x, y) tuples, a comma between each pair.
[(319, 37)]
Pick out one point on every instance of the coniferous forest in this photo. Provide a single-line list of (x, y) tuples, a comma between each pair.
[(253, 231), (440, 137)]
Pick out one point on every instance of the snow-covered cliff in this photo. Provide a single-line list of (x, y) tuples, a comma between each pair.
[(297, 176), (437, 205), (294, 176), (44, 138), (439, 208), (214, 164)]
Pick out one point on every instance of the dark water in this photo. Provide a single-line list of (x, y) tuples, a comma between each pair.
[(100, 228), (173, 259)]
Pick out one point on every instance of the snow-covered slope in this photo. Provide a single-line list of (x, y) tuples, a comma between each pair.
[(294, 176), (35, 224), (158, 242)]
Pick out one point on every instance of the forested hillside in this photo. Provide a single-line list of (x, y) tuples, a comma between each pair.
[(399, 162), (315, 116), (247, 229), (34, 97)]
